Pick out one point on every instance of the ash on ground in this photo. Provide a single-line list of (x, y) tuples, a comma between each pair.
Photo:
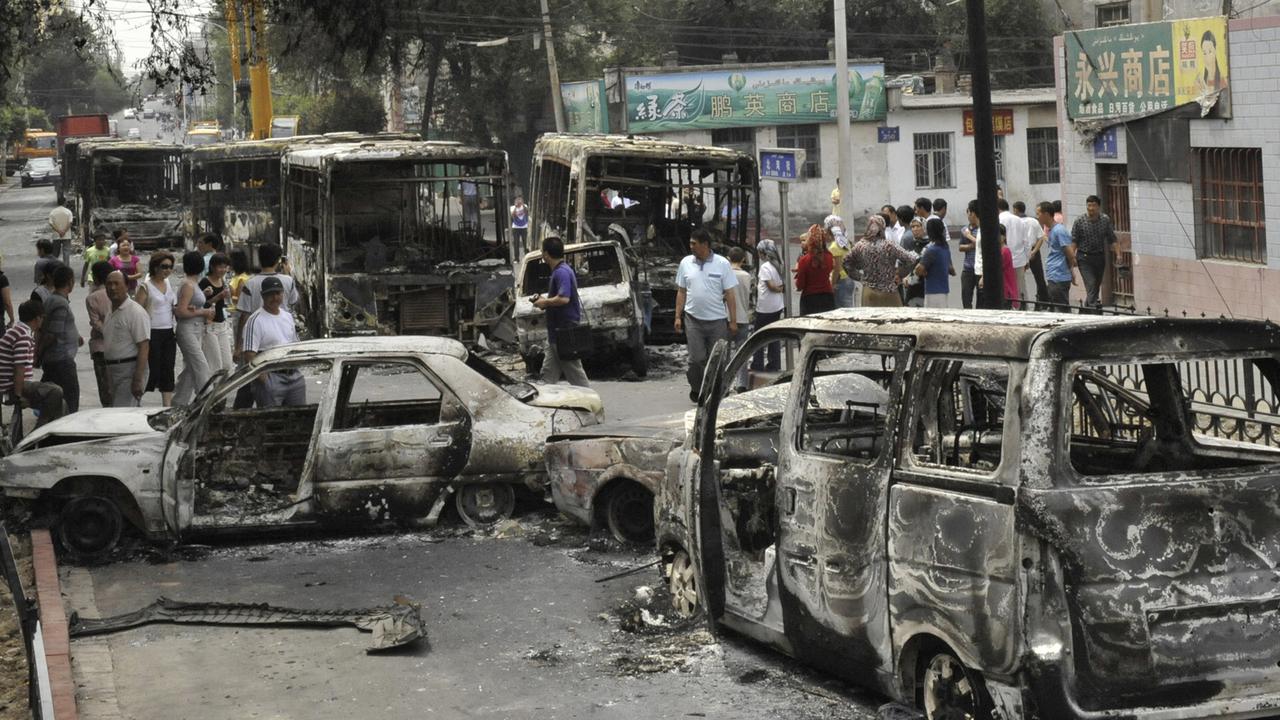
[(658, 639)]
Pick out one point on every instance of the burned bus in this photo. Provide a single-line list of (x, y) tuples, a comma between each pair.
[(233, 189), (131, 185), (395, 237), (648, 195)]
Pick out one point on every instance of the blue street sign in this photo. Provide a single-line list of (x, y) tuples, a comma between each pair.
[(1105, 144), (781, 164), (887, 134)]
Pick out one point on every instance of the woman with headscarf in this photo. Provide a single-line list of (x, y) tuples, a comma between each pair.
[(839, 247), (769, 303), (813, 273), (878, 259)]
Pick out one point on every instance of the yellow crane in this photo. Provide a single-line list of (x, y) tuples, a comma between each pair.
[(246, 29)]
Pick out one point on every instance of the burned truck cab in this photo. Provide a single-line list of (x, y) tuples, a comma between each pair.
[(395, 237)]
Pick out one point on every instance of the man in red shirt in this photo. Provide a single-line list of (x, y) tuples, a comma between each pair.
[(17, 359)]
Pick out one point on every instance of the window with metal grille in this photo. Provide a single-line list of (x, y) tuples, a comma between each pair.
[(1113, 14), (1230, 223), (740, 139), (1042, 155), (933, 160), (804, 137)]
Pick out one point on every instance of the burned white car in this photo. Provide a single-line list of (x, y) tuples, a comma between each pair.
[(391, 429), (1053, 516), (606, 475)]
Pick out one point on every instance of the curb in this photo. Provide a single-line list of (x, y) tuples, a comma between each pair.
[(53, 622)]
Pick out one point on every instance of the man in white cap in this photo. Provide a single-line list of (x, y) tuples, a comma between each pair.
[(272, 326)]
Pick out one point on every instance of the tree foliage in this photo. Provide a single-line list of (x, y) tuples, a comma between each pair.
[(67, 70)]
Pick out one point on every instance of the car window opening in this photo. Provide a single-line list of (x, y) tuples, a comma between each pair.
[(960, 412)]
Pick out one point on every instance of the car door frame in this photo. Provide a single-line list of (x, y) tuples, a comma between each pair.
[(465, 421)]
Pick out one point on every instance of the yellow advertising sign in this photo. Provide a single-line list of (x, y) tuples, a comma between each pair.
[(1202, 57)]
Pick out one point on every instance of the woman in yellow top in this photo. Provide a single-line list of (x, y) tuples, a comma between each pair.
[(239, 275)]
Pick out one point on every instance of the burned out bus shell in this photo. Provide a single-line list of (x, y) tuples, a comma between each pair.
[(393, 237), (132, 185), (657, 193), (233, 189)]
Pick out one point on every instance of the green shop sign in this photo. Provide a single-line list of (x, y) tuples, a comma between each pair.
[(1136, 70), (699, 100), (585, 109)]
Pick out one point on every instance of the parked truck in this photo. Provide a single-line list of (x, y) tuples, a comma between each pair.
[(91, 125)]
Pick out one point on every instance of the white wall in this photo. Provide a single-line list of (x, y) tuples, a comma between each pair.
[(1017, 182)]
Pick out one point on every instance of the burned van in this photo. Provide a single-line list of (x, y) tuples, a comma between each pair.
[(132, 185), (395, 237), (647, 195), (1052, 516), (610, 304)]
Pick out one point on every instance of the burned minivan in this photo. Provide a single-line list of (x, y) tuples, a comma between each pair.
[(394, 237), (647, 195), (136, 186), (1053, 516)]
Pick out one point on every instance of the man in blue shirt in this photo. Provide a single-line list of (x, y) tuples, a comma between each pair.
[(705, 308), (1059, 266), (564, 310)]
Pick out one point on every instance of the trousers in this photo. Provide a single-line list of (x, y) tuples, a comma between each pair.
[(701, 336), (195, 368)]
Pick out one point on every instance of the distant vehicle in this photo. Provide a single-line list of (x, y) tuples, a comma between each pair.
[(148, 113), (202, 136), (134, 185), (135, 133), (130, 114), (91, 125), (41, 171), (38, 143), (283, 126)]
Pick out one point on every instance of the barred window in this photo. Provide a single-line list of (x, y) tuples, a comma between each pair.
[(933, 160), (1230, 223), (1113, 14), (804, 137), (1042, 155), (999, 152)]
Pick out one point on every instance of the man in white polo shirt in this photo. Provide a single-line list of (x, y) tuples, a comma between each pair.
[(126, 338), (272, 326), (705, 308)]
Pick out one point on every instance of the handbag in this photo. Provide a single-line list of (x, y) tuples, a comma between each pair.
[(574, 342)]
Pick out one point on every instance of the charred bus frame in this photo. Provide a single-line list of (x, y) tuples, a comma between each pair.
[(658, 193), (398, 237), (132, 185)]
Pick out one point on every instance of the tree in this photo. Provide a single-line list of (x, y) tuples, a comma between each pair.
[(66, 73)]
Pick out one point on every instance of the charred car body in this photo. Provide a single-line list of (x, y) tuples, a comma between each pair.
[(647, 195), (131, 185), (1053, 516), (390, 429), (610, 297), (398, 237)]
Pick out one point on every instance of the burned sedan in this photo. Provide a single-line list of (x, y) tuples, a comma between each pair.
[(1053, 516), (607, 475), (391, 429)]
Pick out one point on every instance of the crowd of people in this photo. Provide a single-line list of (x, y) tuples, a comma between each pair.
[(904, 257), (142, 313)]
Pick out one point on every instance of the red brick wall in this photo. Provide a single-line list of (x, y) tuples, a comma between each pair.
[(1250, 291)]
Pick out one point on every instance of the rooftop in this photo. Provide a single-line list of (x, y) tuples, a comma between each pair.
[(348, 346), (380, 149), (566, 145), (1021, 96)]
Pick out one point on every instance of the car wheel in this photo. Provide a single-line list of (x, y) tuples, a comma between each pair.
[(25, 183), (952, 691), (532, 363), (89, 527), (629, 512), (682, 581), (484, 504)]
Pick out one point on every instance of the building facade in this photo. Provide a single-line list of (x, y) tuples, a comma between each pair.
[(1189, 195)]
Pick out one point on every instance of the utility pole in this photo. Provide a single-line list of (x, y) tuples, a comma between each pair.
[(557, 103), (984, 146), (844, 173)]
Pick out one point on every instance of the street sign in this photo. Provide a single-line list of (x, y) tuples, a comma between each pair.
[(781, 164), (887, 134), (1105, 144)]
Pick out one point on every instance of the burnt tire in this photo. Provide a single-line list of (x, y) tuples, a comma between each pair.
[(485, 504), (951, 691), (682, 583), (628, 511), (639, 359), (89, 526)]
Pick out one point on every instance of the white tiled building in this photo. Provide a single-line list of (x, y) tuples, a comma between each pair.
[(1197, 236)]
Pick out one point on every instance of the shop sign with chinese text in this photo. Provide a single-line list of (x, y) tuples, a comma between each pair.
[(1143, 69), (585, 109), (1001, 121), (748, 97)]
